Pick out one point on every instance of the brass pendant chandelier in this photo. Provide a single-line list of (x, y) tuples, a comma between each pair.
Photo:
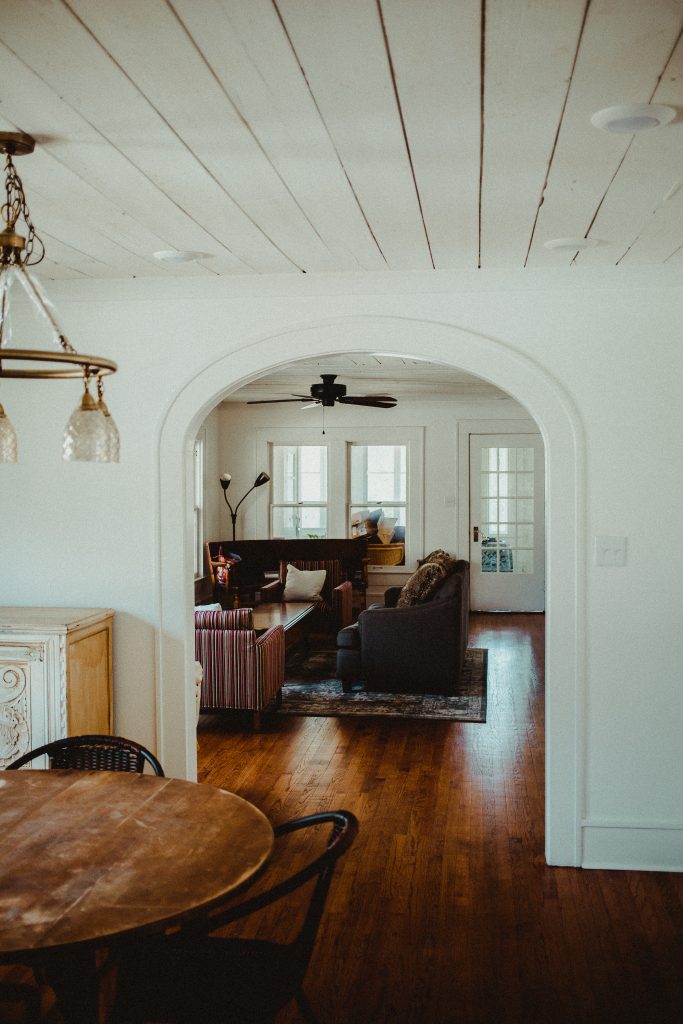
[(90, 434)]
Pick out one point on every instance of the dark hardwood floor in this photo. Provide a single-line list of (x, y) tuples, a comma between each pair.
[(444, 909)]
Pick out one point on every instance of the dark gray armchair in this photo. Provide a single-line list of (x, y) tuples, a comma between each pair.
[(419, 649)]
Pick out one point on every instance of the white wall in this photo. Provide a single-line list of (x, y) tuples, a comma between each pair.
[(608, 341)]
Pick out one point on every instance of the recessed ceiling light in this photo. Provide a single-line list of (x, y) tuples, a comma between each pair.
[(570, 244), (633, 117), (181, 256)]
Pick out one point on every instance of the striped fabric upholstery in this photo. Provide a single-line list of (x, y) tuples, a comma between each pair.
[(240, 669), (237, 618), (333, 578)]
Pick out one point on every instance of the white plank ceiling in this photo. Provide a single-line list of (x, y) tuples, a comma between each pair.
[(292, 136), (370, 374)]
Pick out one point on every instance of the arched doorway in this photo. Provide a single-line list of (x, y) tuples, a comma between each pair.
[(488, 358)]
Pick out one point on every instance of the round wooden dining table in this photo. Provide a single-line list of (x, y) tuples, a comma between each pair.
[(90, 858)]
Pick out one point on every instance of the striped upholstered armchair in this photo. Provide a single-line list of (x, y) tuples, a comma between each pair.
[(241, 670), (334, 609)]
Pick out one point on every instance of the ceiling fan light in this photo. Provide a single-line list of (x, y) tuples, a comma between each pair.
[(8, 438), (86, 437)]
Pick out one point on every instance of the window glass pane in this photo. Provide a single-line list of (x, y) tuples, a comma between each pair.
[(489, 459), (507, 510), (293, 523), (382, 526), (508, 485), (507, 534), (525, 485), (525, 536), (489, 510), (299, 473), (524, 561), (505, 562), (525, 459), (489, 485), (489, 559), (378, 473), (525, 510)]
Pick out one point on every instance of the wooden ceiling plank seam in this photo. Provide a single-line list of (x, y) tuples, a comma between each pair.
[(676, 256), (179, 137), (49, 270), (434, 51), (530, 51), (557, 130), (34, 101), (329, 134), (126, 120), (628, 148), (246, 124), (399, 110), (55, 189), (87, 239), (341, 49), (63, 222), (79, 258), (195, 106), (249, 50), (585, 157), (640, 177)]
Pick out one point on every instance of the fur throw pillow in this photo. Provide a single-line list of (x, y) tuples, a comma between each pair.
[(421, 585), (441, 557)]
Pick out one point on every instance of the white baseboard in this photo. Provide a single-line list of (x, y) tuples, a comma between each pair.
[(633, 845)]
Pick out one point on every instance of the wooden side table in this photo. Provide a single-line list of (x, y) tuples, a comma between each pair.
[(55, 676)]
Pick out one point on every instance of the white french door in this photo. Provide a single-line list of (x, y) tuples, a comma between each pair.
[(507, 522)]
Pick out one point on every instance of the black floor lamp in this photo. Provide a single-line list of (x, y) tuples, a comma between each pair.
[(225, 479)]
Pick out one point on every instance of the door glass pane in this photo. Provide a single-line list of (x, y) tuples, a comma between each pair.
[(506, 498)]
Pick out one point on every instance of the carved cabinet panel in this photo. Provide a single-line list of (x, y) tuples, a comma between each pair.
[(55, 676)]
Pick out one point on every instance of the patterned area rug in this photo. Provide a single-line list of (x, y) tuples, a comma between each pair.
[(311, 689)]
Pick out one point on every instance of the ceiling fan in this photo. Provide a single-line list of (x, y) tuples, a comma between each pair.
[(327, 393)]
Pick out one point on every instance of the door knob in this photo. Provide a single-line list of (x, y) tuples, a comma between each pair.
[(475, 534)]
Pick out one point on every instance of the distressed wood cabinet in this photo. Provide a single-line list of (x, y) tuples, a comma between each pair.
[(55, 676)]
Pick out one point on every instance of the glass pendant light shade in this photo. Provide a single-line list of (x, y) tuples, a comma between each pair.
[(8, 438), (113, 437), (86, 438)]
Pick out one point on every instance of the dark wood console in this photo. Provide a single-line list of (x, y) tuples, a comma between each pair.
[(260, 559)]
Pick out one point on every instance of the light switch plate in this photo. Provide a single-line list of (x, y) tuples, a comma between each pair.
[(610, 551)]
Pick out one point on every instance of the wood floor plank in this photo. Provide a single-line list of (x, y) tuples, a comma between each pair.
[(444, 910)]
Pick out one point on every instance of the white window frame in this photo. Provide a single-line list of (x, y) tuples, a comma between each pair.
[(198, 455), (296, 504), (338, 497), (368, 502)]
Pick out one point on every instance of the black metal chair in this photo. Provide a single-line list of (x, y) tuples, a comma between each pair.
[(195, 974), (18, 997), (102, 753)]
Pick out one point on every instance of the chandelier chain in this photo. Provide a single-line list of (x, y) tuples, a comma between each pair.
[(15, 206)]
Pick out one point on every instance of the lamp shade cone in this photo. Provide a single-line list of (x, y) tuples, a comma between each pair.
[(112, 432)]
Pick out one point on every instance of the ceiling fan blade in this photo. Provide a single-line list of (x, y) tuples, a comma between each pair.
[(271, 401), (378, 401), (311, 405)]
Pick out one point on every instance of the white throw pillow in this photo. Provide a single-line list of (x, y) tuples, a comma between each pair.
[(208, 607), (303, 584)]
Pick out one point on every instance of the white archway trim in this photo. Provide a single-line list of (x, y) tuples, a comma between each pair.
[(450, 344)]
